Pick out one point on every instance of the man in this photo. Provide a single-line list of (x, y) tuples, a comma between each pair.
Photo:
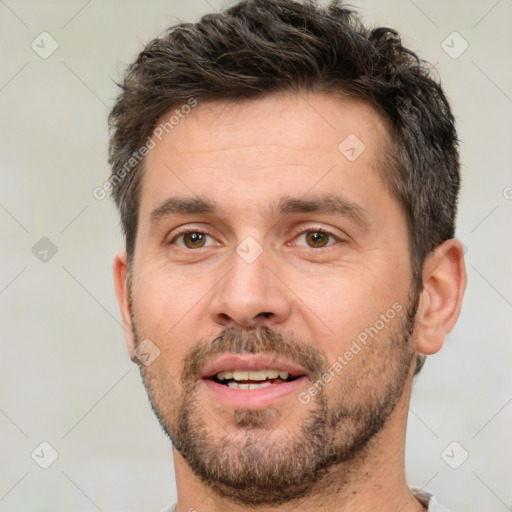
[(287, 181)]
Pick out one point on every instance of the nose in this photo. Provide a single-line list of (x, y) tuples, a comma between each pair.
[(250, 294)]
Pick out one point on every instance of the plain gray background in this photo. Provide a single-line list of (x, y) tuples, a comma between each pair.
[(65, 377)]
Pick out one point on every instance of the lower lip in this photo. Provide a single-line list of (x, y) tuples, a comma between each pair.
[(253, 398)]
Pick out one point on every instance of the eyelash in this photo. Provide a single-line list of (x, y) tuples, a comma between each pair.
[(311, 229), (314, 229)]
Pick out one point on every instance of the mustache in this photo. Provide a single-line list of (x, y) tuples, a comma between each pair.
[(261, 340)]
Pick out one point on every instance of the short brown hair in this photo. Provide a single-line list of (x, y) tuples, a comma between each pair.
[(258, 47)]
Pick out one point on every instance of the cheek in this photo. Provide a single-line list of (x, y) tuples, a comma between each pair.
[(349, 305), (165, 311), (344, 301), (370, 369), (164, 300)]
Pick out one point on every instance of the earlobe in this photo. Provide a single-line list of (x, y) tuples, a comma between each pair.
[(120, 269), (444, 282)]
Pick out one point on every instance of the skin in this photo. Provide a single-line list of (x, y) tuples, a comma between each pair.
[(245, 156)]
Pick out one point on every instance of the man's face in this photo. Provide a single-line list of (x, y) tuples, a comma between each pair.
[(301, 256)]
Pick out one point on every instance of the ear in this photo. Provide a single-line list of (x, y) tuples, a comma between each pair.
[(123, 299), (444, 282)]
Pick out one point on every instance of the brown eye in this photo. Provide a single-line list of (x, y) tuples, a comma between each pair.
[(191, 240), (317, 239)]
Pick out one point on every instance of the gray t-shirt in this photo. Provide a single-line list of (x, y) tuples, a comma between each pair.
[(428, 499), (424, 497)]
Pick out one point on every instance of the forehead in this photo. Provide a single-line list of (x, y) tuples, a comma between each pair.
[(263, 148)]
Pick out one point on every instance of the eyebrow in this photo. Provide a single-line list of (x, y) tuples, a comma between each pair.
[(326, 203), (183, 206)]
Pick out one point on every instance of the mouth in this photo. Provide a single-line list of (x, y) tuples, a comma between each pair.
[(252, 380)]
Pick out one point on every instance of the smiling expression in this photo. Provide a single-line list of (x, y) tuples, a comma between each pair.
[(262, 246)]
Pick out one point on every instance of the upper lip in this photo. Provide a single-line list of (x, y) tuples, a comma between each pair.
[(250, 362)]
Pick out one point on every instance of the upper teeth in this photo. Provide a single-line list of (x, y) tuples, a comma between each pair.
[(252, 374)]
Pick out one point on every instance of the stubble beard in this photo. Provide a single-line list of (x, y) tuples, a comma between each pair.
[(254, 463)]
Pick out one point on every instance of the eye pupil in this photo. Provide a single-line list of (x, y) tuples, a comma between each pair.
[(317, 238)]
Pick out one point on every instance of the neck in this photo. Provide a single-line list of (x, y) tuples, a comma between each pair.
[(373, 480)]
